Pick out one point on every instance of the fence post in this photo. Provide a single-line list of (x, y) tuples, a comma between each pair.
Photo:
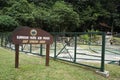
[(10, 45), (22, 47), (30, 48), (55, 47), (2, 40), (75, 48), (103, 52), (41, 50), (119, 62), (6, 40)]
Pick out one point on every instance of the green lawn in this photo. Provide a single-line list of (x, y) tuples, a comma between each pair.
[(33, 68)]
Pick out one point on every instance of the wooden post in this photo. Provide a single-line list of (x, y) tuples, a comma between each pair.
[(47, 54), (16, 55)]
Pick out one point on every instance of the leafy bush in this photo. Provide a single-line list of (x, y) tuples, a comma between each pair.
[(89, 38), (7, 23)]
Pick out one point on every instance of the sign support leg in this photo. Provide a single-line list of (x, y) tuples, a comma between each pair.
[(47, 54), (16, 55)]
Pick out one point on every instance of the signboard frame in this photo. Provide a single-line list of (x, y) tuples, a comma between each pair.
[(26, 35)]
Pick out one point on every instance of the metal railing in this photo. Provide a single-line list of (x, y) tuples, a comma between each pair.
[(64, 40)]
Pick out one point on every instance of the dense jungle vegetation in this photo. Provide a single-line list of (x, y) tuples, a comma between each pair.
[(60, 15)]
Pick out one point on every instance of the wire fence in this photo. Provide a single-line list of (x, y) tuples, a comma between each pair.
[(81, 48)]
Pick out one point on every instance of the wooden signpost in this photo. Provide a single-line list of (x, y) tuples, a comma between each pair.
[(26, 35)]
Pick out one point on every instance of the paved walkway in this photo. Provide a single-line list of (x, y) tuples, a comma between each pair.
[(84, 55), (87, 55)]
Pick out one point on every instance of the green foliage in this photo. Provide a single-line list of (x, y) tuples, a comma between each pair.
[(89, 37), (94, 37), (7, 23), (64, 17), (91, 14), (92, 30), (42, 2), (41, 16), (85, 38), (22, 12)]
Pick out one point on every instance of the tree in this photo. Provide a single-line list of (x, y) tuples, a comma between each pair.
[(7, 23), (63, 17), (41, 16), (111, 6), (21, 11), (43, 3), (91, 13)]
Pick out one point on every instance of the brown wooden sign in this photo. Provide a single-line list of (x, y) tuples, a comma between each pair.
[(26, 35)]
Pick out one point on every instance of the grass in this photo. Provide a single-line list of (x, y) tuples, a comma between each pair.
[(116, 40), (33, 68)]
